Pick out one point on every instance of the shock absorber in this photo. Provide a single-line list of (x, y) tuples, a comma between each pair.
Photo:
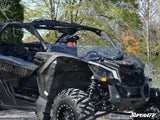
[(92, 87)]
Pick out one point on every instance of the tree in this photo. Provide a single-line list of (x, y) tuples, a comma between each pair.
[(3, 8), (53, 10), (104, 14), (117, 18), (148, 12), (11, 10), (131, 44)]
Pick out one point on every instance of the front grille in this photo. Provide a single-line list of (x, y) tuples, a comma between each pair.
[(132, 78), (134, 92), (129, 92)]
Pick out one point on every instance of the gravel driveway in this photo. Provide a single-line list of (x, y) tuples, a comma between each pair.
[(17, 115), (25, 115)]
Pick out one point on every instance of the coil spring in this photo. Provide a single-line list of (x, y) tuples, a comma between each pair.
[(92, 87)]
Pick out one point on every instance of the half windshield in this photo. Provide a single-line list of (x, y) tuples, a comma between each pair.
[(88, 46), (95, 52)]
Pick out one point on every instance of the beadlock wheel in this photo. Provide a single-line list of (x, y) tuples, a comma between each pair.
[(72, 104), (65, 112)]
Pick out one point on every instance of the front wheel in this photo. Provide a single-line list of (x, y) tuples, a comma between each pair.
[(72, 104)]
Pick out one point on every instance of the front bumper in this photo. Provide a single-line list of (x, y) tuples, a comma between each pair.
[(129, 98)]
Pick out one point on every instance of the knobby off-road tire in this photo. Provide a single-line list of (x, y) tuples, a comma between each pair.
[(72, 104)]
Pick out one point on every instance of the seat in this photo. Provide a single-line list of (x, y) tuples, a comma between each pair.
[(3, 47), (19, 50)]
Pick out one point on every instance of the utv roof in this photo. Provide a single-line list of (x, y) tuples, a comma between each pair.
[(64, 27)]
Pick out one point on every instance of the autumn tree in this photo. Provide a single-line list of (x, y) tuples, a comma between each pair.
[(131, 44), (115, 17)]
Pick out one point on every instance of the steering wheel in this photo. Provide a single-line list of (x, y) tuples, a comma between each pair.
[(93, 55)]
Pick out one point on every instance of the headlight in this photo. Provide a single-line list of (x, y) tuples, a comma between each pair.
[(101, 72), (104, 74)]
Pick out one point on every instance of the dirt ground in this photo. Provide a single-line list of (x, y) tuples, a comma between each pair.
[(25, 115), (17, 115)]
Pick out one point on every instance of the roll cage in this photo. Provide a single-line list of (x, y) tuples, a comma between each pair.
[(64, 27)]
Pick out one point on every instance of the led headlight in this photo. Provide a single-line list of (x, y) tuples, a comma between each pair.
[(105, 75), (102, 72)]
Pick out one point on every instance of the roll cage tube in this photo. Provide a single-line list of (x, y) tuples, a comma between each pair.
[(65, 27), (29, 27)]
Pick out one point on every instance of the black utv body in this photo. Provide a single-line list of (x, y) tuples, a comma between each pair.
[(60, 81)]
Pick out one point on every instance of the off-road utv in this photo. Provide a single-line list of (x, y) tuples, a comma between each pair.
[(70, 79)]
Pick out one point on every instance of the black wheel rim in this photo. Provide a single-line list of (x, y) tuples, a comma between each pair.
[(65, 112)]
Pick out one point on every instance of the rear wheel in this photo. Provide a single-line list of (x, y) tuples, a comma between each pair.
[(72, 104)]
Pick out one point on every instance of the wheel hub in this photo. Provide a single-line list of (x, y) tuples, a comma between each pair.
[(65, 112)]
